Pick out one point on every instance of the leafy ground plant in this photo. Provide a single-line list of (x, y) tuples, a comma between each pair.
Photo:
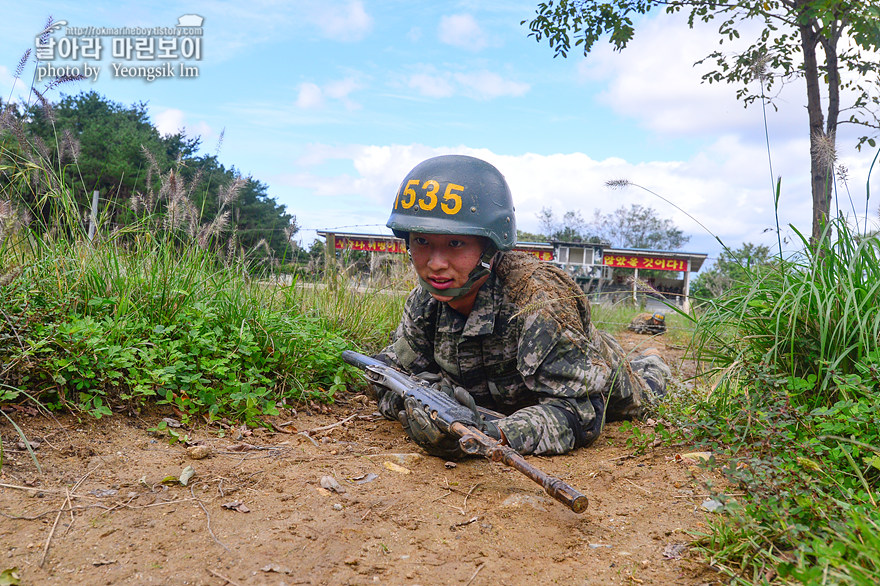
[(793, 414), (166, 308)]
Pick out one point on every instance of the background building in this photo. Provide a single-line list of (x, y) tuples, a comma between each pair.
[(610, 275)]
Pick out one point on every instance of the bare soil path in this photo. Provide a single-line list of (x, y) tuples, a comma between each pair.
[(350, 502)]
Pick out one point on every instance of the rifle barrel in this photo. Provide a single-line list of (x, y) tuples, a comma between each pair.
[(553, 486), (476, 442)]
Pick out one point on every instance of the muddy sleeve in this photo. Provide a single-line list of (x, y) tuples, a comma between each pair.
[(412, 344), (568, 376)]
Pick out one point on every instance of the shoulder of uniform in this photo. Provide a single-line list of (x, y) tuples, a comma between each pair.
[(534, 285), (514, 267)]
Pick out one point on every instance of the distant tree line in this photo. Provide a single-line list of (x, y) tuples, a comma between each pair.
[(633, 227), (93, 143)]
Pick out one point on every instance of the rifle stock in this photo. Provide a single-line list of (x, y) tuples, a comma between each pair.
[(451, 417)]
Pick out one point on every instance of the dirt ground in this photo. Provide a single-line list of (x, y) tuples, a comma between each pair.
[(335, 496)]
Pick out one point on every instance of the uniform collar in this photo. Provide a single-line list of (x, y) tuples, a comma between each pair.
[(481, 320)]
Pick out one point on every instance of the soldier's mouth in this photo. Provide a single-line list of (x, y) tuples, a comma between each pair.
[(440, 282)]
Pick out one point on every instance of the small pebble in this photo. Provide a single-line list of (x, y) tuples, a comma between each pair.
[(198, 452)]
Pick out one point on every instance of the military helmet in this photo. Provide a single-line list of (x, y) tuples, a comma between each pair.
[(455, 194), (657, 316)]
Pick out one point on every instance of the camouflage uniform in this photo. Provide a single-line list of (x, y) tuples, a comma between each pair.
[(648, 323), (528, 350)]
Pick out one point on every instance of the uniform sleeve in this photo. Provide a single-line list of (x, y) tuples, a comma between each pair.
[(412, 344), (569, 374)]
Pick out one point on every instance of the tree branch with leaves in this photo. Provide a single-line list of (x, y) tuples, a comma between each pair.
[(829, 43)]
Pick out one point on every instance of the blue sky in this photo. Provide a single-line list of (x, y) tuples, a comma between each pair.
[(331, 102)]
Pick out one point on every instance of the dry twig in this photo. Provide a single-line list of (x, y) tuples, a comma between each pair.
[(480, 567), (208, 516), (222, 577), (52, 531), (60, 511), (637, 486), (331, 426)]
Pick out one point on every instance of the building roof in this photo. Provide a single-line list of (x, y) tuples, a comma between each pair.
[(696, 258)]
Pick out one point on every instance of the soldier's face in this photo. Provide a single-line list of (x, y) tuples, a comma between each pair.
[(445, 261)]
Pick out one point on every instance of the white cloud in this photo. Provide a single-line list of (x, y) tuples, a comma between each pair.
[(719, 188), (312, 96), (478, 85), (432, 86), (342, 22), (462, 31), (340, 89), (172, 121), (169, 121), (657, 82), (486, 85)]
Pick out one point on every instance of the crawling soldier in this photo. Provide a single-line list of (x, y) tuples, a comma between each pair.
[(648, 323), (498, 328)]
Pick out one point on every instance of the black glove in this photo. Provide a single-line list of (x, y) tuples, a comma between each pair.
[(487, 426), (421, 429), (424, 431), (391, 404)]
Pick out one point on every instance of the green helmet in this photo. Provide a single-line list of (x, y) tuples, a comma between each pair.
[(455, 194)]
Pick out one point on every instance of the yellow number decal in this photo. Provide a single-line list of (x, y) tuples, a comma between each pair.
[(455, 198), (408, 190), (431, 188)]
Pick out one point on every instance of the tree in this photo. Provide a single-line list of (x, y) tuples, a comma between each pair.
[(522, 236), (258, 219), (732, 267), (572, 227), (100, 144), (638, 227), (795, 34)]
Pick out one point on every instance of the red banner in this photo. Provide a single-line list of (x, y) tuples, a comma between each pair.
[(370, 245), (628, 261), (539, 254)]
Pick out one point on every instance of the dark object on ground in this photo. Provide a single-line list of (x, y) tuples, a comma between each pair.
[(648, 323)]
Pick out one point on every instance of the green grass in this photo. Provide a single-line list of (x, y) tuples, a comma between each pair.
[(150, 313), (813, 317), (615, 318), (792, 414), (162, 311)]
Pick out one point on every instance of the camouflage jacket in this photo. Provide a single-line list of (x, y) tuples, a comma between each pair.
[(528, 350)]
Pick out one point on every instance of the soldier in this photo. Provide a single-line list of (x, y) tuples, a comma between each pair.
[(648, 323), (498, 328)]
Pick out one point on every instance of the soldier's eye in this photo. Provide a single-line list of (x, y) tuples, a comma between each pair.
[(420, 240), (456, 243)]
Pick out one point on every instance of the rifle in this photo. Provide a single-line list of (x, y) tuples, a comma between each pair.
[(450, 415)]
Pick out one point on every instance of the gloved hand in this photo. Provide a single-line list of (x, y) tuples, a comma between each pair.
[(421, 429), (650, 366), (391, 404), (424, 431), (462, 395)]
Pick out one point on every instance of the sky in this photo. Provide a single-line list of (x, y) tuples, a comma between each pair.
[(331, 102)]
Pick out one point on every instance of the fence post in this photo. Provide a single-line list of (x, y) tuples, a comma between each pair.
[(686, 299), (330, 260)]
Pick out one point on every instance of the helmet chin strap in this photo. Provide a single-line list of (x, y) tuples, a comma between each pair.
[(482, 269)]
